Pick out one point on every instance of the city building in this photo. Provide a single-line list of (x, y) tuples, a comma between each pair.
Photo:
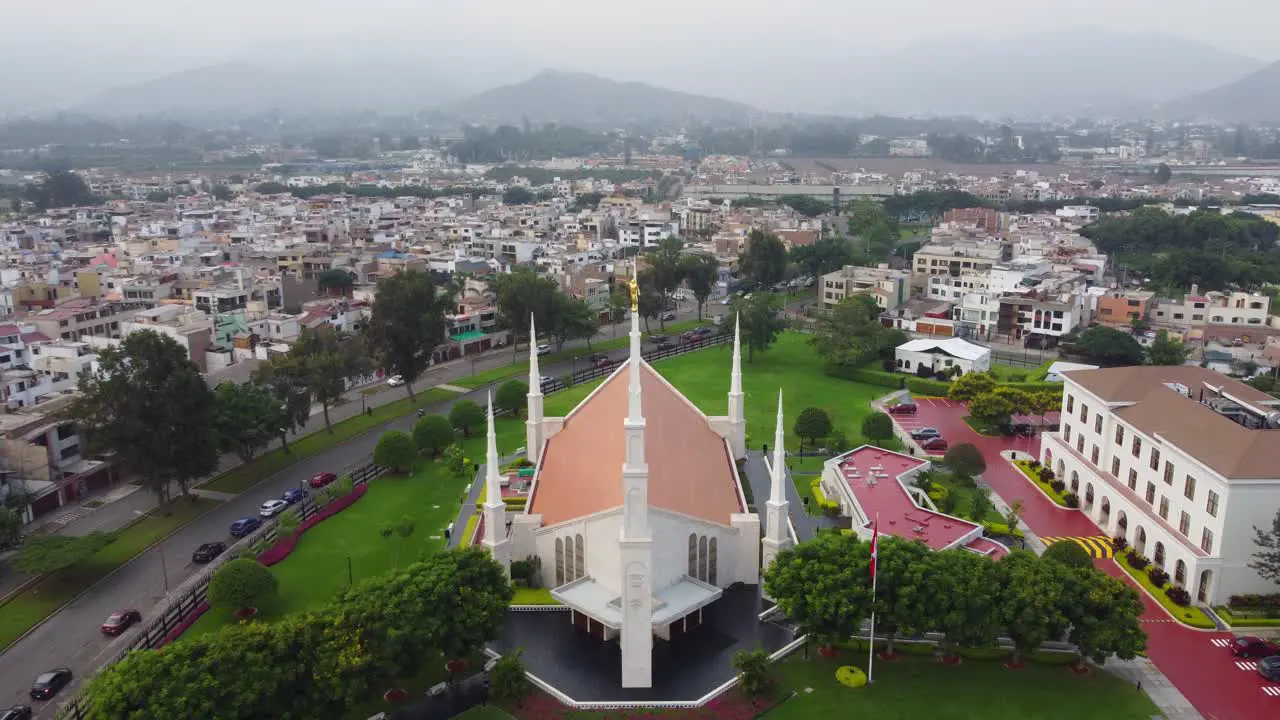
[(1180, 461), (889, 288), (941, 356)]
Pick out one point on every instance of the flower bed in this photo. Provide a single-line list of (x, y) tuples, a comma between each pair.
[(1188, 615), (730, 706), (282, 547), (186, 623), (1032, 473)]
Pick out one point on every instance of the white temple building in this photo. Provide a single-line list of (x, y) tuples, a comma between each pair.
[(636, 511)]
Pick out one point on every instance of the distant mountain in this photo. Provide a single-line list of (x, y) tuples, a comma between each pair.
[(1080, 71), (1254, 97), (244, 87), (589, 100)]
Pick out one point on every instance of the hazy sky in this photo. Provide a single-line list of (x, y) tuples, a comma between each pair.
[(583, 32)]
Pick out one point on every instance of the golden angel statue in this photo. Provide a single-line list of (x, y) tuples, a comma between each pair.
[(634, 287)]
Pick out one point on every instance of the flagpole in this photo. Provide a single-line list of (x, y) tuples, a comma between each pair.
[(875, 539)]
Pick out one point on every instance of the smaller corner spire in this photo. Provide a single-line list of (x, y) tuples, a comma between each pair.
[(534, 372), (779, 457), (491, 448), (735, 379)]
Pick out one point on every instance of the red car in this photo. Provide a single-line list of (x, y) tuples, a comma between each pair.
[(321, 479), (933, 443), (119, 621), (1253, 647), (901, 409)]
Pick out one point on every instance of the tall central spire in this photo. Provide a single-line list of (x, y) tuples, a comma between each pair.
[(495, 510), (633, 393), (533, 426), (777, 532), (635, 543), (779, 457), (737, 400)]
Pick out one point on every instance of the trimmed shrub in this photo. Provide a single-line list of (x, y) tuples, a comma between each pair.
[(1047, 475), (1118, 543), (1158, 576), (432, 434), (994, 528), (241, 583), (868, 376), (851, 676), (1138, 562), (1179, 596), (511, 397), (395, 451), (1068, 553), (1251, 601), (1058, 486), (934, 388), (1071, 499)]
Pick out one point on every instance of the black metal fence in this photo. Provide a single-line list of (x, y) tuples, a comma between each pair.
[(192, 593), (658, 352)]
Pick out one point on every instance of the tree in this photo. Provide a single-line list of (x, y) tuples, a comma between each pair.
[(619, 303), (241, 583), (323, 362), (395, 451), (812, 423), (991, 408), (823, 585), (455, 459), (755, 669), (520, 295), (965, 460), (1020, 401), (877, 427), (1104, 615), (10, 527), (222, 193), (700, 273), (954, 595), (760, 321), (512, 396), (764, 260), (1165, 350), (1070, 554), (432, 434), (967, 387), (1162, 174), (518, 196), (980, 505), (465, 416), (408, 323), (339, 281), (248, 416), (1013, 516), (665, 265), (42, 554), (60, 189), (893, 596), (1266, 559), (147, 403), (850, 334), (507, 681), (293, 398), (822, 257), (573, 319), (476, 591), (1108, 346), (1030, 603)]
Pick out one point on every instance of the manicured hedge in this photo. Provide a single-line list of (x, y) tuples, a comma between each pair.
[(867, 375), (284, 546), (515, 503), (934, 388)]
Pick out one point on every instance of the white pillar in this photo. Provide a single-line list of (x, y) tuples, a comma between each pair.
[(533, 425), (737, 400), (495, 510), (635, 545), (777, 536)]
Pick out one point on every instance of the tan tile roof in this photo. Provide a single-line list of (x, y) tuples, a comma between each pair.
[(1131, 384), (690, 470)]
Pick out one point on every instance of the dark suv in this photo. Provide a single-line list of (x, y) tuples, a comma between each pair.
[(17, 712), (1269, 668)]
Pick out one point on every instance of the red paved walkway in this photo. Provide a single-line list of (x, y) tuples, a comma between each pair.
[(1205, 673)]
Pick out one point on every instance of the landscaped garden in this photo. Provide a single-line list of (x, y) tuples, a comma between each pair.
[(913, 687), (1043, 478), (1156, 582), (33, 604)]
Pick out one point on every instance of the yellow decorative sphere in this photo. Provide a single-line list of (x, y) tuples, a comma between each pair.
[(851, 676)]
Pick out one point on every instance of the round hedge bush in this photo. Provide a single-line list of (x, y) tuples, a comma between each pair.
[(850, 676)]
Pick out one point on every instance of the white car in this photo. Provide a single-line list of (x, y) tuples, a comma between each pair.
[(395, 381), (272, 508), (544, 350)]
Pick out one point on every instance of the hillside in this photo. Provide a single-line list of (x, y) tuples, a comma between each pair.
[(244, 87), (587, 100), (1254, 97)]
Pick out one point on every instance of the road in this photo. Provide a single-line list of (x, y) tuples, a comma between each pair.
[(1200, 668), (71, 637)]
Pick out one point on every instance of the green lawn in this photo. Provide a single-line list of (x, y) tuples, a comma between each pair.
[(1032, 474), (24, 610), (519, 368), (488, 712), (962, 496), (245, 476), (911, 688), (533, 596), (1191, 615), (982, 427)]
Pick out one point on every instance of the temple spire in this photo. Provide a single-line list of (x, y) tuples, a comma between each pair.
[(777, 531), (534, 372), (495, 510), (776, 493), (635, 542), (533, 426), (737, 435), (491, 478), (735, 380)]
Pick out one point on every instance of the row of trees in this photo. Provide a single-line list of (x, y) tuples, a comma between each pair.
[(994, 403), (318, 663), (1110, 347), (824, 585)]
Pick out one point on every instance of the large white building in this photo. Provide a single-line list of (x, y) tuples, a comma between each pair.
[(941, 355), (1181, 461), (636, 511)]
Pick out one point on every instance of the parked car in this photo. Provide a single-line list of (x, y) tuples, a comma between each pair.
[(925, 433), (1254, 647), (244, 526), (544, 350), (663, 344), (658, 339), (1269, 668), (905, 408), (293, 496), (668, 316), (600, 360), (272, 508), (120, 620), (49, 683), (321, 479), (727, 301), (17, 712), (207, 552), (934, 443), (546, 383), (395, 381)]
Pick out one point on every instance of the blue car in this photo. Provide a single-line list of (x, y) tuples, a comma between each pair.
[(244, 526), (294, 495)]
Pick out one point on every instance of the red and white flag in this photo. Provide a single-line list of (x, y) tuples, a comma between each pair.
[(875, 539)]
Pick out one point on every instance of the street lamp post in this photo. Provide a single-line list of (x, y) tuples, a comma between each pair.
[(164, 568)]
